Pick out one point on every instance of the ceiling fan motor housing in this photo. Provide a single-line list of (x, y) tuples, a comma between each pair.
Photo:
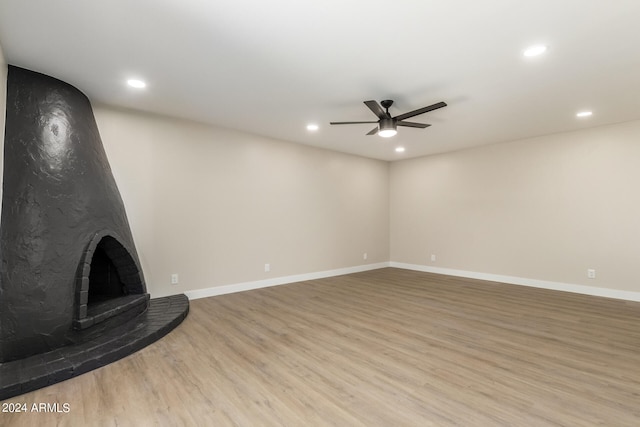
[(387, 124)]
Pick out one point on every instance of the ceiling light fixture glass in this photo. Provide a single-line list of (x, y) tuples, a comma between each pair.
[(399, 149), (138, 84), (584, 114), (312, 127), (535, 50), (387, 128)]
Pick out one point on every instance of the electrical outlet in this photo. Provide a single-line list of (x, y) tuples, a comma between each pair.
[(591, 273), (267, 268), (433, 258), (364, 255), (174, 279)]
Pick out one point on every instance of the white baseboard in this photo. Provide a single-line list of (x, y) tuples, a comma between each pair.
[(557, 286), (247, 286)]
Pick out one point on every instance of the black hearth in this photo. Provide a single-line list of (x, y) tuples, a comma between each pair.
[(71, 284)]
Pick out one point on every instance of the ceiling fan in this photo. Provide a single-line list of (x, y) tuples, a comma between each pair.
[(387, 124)]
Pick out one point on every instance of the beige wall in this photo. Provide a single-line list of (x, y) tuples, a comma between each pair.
[(215, 205), (547, 208)]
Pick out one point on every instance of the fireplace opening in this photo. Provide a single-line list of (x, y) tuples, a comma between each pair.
[(104, 281), (109, 283)]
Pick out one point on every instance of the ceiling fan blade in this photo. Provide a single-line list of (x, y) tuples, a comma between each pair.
[(413, 124), (377, 109), (349, 123), (373, 131), (420, 111)]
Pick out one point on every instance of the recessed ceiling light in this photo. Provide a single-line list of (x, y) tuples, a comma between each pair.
[(399, 149), (312, 127), (535, 50), (138, 84), (584, 114)]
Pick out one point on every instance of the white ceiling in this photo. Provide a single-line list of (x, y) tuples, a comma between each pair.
[(271, 67)]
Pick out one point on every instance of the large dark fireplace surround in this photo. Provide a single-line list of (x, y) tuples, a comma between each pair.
[(72, 292)]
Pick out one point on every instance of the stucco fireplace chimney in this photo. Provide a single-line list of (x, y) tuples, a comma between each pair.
[(70, 270)]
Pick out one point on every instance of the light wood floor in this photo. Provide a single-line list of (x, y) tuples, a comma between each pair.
[(383, 348)]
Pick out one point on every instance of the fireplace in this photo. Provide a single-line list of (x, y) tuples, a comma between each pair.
[(108, 283), (72, 292)]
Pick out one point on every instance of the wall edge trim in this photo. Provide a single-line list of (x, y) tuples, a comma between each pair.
[(276, 281), (522, 281)]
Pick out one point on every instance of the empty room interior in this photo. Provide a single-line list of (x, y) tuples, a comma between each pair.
[(415, 213)]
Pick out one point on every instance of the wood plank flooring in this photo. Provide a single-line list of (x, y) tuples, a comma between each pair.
[(389, 347)]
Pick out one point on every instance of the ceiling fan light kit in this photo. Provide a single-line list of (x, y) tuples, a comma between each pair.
[(387, 125), (387, 128)]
